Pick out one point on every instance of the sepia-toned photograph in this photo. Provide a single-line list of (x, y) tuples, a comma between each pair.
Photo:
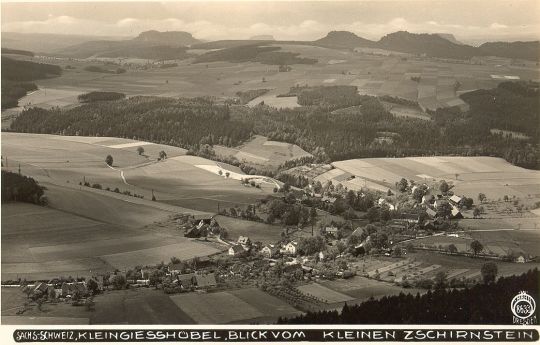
[(271, 163)]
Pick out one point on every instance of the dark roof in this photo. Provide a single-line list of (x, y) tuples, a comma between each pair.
[(177, 267), (205, 280), (237, 248)]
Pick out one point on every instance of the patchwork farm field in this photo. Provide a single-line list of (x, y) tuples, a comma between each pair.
[(263, 152), (372, 74), (237, 306), (492, 176), (135, 306), (87, 229), (41, 242)]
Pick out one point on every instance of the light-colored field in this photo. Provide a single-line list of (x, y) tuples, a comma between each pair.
[(232, 306), (323, 293), (263, 152), (41, 243), (492, 176), (90, 229)]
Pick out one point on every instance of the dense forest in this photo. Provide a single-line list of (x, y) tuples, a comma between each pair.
[(328, 135), (482, 304), (511, 106), (16, 187), (177, 122), (96, 96), (254, 53), (19, 70), (17, 76)]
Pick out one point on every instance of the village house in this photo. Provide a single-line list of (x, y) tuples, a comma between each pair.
[(456, 213), (245, 242), (290, 248), (186, 280), (454, 199), (331, 230), (68, 289), (205, 280), (430, 212), (269, 251), (175, 269), (236, 250)]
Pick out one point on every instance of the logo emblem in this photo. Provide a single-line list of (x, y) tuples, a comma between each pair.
[(523, 307)]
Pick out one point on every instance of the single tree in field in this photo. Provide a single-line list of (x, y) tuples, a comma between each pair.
[(452, 248), (489, 272), (476, 247), (162, 155), (481, 197), (227, 174), (140, 150), (443, 187), (109, 160), (220, 172), (476, 212)]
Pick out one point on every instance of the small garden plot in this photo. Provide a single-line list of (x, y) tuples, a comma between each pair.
[(428, 269), (456, 272), (324, 294), (215, 308), (388, 268)]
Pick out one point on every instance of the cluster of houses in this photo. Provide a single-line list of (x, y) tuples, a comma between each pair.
[(60, 290), (190, 280), (244, 245)]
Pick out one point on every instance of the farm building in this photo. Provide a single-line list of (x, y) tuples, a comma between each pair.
[(244, 241), (357, 232), (186, 280), (236, 250), (205, 280), (269, 251), (456, 213), (71, 288), (455, 199), (290, 248), (331, 230), (175, 269), (430, 212)]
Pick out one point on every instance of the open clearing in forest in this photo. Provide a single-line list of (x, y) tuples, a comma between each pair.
[(263, 152)]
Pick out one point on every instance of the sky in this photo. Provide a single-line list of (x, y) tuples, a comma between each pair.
[(470, 20)]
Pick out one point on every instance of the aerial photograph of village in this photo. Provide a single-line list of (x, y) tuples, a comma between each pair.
[(270, 163)]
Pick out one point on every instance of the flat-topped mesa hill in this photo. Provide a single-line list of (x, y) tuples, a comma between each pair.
[(343, 39), (173, 38), (428, 44)]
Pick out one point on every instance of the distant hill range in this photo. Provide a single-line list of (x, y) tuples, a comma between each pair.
[(262, 38), (174, 45), (153, 45), (434, 45), (173, 38)]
